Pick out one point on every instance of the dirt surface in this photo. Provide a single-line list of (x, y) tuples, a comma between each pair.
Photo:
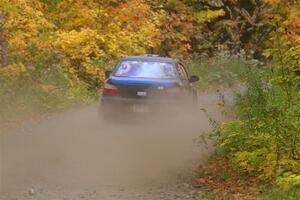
[(74, 155)]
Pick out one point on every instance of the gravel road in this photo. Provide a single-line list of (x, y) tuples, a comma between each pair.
[(74, 156)]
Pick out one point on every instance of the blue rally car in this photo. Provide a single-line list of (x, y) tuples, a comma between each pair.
[(142, 84)]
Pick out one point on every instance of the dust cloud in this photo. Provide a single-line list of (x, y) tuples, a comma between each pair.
[(75, 151)]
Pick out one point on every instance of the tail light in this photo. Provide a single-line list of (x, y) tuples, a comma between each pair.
[(110, 89)]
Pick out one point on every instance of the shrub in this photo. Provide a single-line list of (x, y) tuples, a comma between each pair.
[(264, 139)]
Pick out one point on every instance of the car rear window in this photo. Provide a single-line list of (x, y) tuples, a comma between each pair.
[(143, 69)]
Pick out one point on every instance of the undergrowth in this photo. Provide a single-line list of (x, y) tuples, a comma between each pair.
[(32, 93), (223, 70), (263, 141)]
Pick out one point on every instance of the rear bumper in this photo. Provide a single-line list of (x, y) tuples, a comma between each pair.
[(111, 104)]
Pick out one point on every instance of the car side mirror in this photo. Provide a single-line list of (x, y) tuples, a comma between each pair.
[(194, 79), (108, 73)]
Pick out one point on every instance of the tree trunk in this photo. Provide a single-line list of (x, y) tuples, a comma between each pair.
[(3, 41), (4, 53)]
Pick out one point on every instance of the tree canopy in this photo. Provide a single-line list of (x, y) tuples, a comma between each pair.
[(80, 37)]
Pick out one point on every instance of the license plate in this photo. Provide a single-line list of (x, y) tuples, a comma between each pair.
[(140, 108), (142, 94)]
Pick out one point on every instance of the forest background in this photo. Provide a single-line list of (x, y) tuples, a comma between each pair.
[(54, 54)]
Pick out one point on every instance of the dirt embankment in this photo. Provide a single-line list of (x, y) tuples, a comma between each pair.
[(75, 156)]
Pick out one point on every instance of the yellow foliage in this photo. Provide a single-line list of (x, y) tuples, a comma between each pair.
[(273, 2), (288, 180), (92, 32), (132, 29), (25, 21), (292, 25), (286, 18), (80, 45), (81, 14), (208, 15), (13, 71)]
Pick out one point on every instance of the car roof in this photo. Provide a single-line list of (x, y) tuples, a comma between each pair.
[(150, 58)]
